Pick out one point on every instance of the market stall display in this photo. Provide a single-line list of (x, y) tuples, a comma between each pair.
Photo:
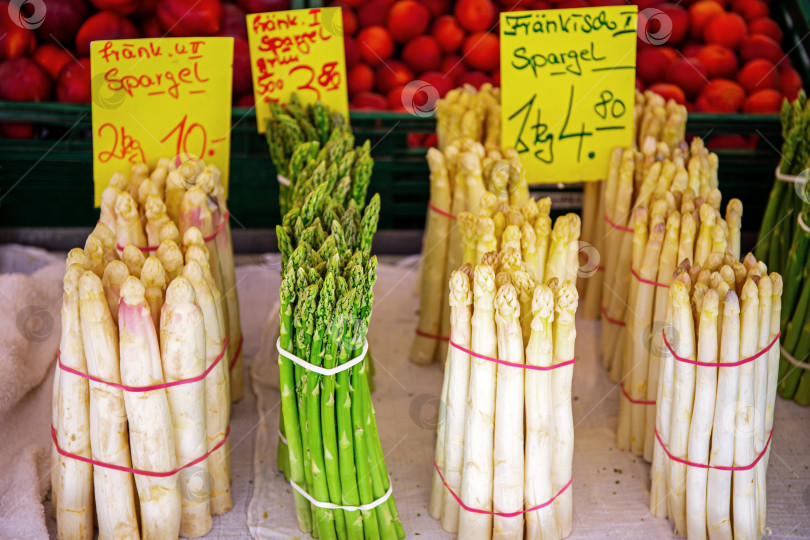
[(784, 238), (145, 376), (714, 422)]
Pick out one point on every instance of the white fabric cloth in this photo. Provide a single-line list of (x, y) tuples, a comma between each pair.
[(611, 488)]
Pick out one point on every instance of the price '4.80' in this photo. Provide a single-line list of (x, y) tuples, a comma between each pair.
[(530, 116)]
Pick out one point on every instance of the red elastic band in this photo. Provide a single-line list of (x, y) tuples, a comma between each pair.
[(499, 514), (138, 471), (431, 336), (236, 354), (512, 364), (617, 226), (642, 280), (634, 401), (717, 467), (609, 319), (600, 268), (199, 377), (721, 364), (146, 249), (440, 211)]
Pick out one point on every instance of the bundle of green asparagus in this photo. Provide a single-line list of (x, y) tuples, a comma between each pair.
[(490, 480), (716, 393), (663, 121), (292, 125), (784, 239), (142, 383), (334, 457), (464, 178)]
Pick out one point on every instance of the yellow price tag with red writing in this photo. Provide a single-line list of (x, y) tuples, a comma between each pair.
[(160, 98), (301, 52), (568, 89)]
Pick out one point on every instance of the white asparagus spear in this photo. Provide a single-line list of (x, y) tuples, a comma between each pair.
[(437, 487), (460, 312), (156, 217), (150, 423), (171, 257), (718, 492), (137, 174), (565, 333), (169, 231), (773, 374), (476, 478), (174, 191), (154, 281), (682, 399), (761, 390), (95, 252), (542, 233), (701, 429), (114, 275), (666, 268), (74, 510), (128, 226), (107, 237), (107, 206), (55, 489), (217, 398), (78, 256), (434, 261), (540, 524), (744, 502), (109, 440), (663, 408), (509, 469), (182, 352), (134, 259)]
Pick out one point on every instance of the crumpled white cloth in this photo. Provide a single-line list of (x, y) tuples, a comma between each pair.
[(30, 308)]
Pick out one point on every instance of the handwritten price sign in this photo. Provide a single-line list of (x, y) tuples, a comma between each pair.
[(568, 89), (155, 98), (298, 51)]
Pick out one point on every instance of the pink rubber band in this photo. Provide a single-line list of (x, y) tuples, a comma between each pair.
[(511, 364), (146, 249), (431, 336), (617, 226), (721, 364), (440, 211), (236, 354), (717, 467), (199, 377), (642, 280), (138, 471), (499, 514), (609, 319), (634, 401)]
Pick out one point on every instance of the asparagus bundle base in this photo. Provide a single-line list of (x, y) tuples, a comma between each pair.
[(713, 425), (151, 319)]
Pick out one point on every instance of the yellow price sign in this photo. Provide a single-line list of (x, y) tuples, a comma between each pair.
[(301, 52), (156, 98), (568, 89)]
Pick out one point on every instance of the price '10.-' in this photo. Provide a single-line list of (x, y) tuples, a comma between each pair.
[(537, 136)]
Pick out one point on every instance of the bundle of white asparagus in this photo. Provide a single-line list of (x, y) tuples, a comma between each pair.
[(464, 178), (677, 226), (491, 480), (635, 177), (656, 119), (716, 393), (143, 378), (467, 113)]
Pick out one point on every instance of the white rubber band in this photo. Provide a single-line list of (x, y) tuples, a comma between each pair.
[(802, 224), (364, 507), (282, 438), (789, 358), (318, 369), (282, 180), (789, 177)]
